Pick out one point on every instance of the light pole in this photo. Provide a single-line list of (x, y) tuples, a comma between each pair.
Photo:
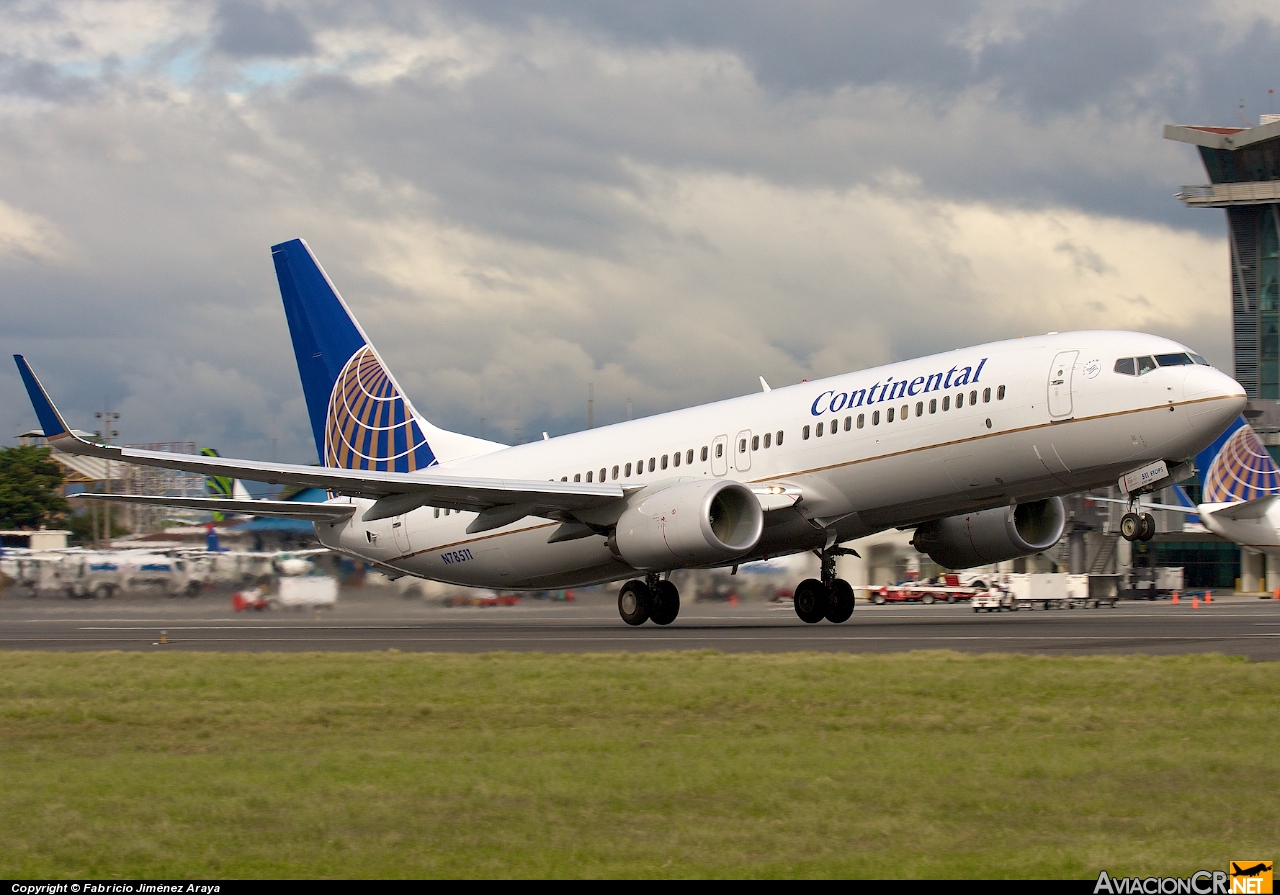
[(104, 435)]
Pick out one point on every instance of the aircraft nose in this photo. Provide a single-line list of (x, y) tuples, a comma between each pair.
[(1213, 399)]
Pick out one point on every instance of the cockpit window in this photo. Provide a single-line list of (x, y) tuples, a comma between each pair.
[(1200, 360), (1145, 365), (1126, 366), (1172, 360)]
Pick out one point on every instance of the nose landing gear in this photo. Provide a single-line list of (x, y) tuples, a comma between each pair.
[(832, 597), (1135, 527)]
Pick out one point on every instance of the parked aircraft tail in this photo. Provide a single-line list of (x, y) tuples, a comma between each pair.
[(360, 417), (1236, 467)]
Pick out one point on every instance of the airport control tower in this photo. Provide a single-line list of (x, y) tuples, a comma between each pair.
[(1243, 164)]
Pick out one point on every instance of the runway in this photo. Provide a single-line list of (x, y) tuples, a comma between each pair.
[(1234, 625)]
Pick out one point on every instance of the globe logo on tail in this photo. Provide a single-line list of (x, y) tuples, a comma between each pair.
[(369, 424), (1243, 470)]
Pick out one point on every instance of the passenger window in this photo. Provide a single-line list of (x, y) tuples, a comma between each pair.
[(888, 415), (704, 454), (588, 475), (742, 445), (818, 432), (778, 440), (628, 474), (973, 397), (906, 411), (602, 475), (615, 473), (804, 433), (437, 512), (959, 400), (768, 437), (1145, 365), (919, 408), (688, 456), (946, 403), (651, 463), (933, 405), (755, 442), (875, 418), (719, 451), (664, 461), (639, 467), (986, 396), (676, 458), (577, 476), (1000, 393), (862, 419)]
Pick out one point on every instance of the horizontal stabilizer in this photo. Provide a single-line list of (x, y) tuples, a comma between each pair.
[(1189, 511), (283, 509), (1249, 509)]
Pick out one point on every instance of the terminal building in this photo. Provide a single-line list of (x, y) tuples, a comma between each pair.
[(1243, 167)]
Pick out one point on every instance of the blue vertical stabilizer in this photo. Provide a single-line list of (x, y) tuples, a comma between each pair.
[(1237, 467), (359, 416)]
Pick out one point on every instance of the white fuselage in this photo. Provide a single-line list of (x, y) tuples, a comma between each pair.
[(1260, 533), (1037, 417)]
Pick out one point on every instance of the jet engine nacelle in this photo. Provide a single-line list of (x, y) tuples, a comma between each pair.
[(976, 539), (696, 523)]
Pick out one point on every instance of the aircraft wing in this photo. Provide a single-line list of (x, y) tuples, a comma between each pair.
[(286, 509), (396, 492), (1247, 509)]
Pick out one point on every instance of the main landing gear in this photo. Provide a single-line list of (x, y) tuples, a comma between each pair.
[(831, 598), (1135, 527), (652, 600)]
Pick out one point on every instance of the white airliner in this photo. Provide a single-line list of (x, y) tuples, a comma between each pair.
[(1240, 491), (971, 448)]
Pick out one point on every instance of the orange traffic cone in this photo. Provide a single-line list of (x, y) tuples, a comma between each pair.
[(1195, 602), (1208, 597), (1276, 594), (1175, 598)]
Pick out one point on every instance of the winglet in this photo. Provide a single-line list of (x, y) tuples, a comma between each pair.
[(51, 421)]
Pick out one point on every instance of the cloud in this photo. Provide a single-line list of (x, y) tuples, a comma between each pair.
[(666, 201), (249, 28), (27, 237)]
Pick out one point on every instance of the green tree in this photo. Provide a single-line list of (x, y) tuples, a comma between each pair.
[(29, 483)]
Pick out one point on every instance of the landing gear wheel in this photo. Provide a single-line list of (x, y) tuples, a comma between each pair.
[(1130, 526), (811, 601), (634, 601), (1148, 527), (840, 602), (664, 604)]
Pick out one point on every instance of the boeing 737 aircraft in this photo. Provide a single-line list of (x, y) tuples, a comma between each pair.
[(1240, 491), (971, 448)]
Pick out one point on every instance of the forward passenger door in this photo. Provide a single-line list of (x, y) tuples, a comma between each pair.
[(1060, 385), (720, 455)]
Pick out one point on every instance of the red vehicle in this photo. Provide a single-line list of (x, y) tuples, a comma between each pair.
[(948, 590)]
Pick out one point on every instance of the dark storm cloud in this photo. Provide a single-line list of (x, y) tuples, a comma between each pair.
[(37, 79), (249, 28), (616, 189)]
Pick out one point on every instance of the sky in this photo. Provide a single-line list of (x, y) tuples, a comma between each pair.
[(665, 200)]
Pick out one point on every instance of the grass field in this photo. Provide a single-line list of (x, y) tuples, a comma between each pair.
[(680, 764)]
